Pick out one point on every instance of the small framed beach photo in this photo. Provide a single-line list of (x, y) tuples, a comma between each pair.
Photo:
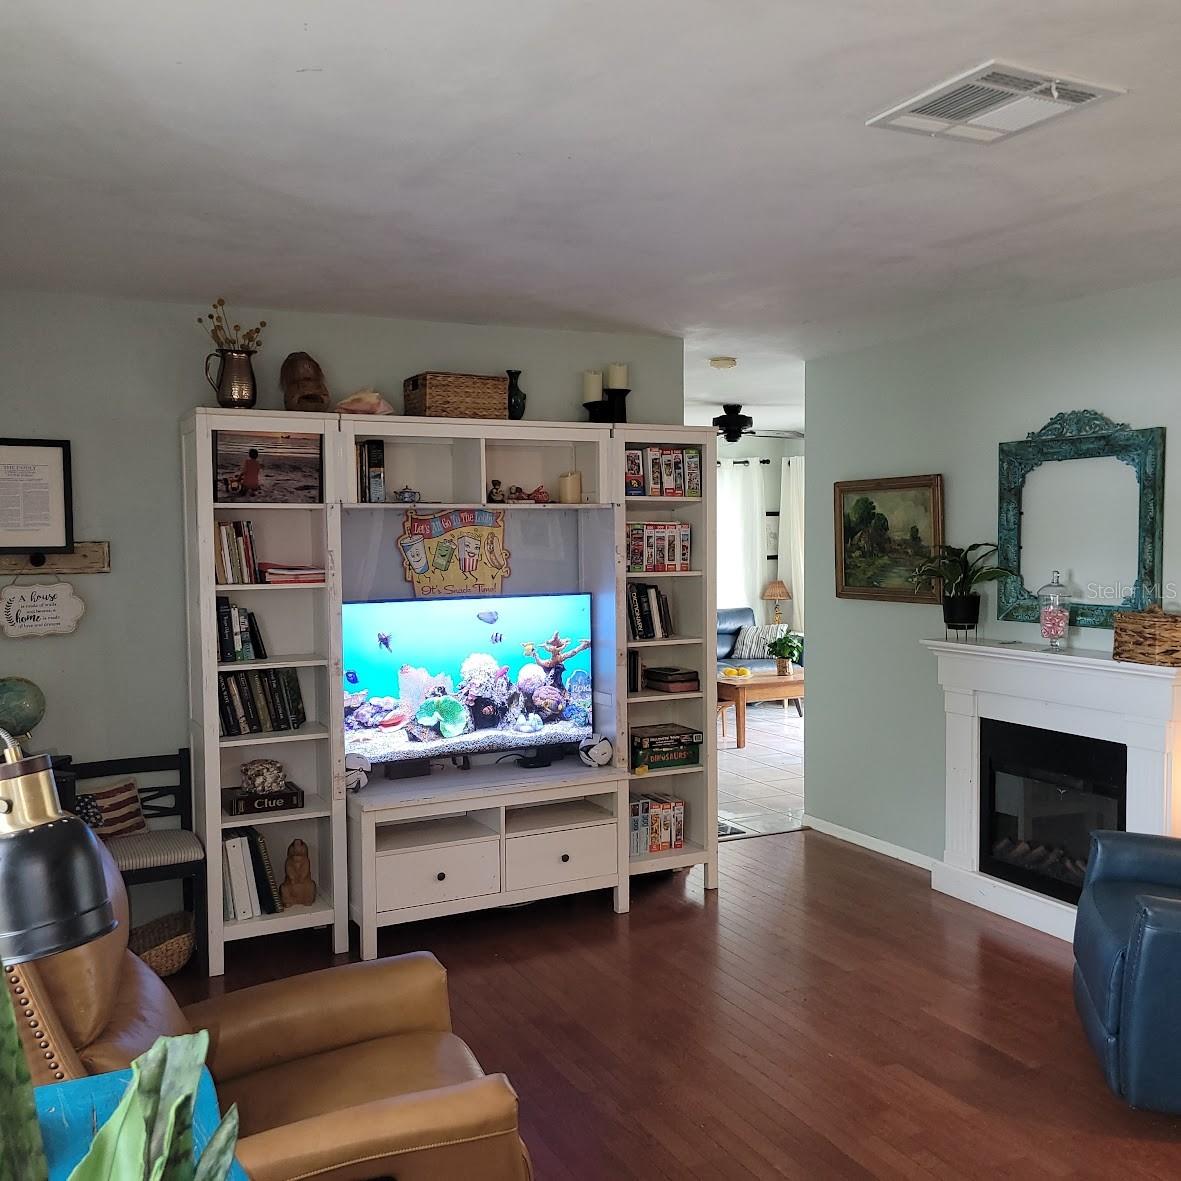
[(36, 497), (267, 467)]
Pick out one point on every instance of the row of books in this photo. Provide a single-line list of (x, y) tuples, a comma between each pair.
[(658, 547), (663, 746), (649, 616), (248, 885), (236, 560), (371, 471), (234, 554), (657, 824), (238, 635), (259, 702), (662, 471)]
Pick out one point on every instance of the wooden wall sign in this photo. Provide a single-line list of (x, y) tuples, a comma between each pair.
[(89, 557), (40, 609)]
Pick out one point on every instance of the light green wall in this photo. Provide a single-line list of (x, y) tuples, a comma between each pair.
[(116, 377), (942, 404)]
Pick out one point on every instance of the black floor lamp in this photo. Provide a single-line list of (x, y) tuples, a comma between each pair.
[(53, 896), (53, 893)]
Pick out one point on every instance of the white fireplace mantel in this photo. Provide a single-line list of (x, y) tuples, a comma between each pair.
[(1072, 692)]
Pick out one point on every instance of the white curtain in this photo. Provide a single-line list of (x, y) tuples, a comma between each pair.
[(791, 536), (742, 536)]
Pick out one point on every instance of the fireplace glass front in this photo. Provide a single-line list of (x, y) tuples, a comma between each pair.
[(1042, 794)]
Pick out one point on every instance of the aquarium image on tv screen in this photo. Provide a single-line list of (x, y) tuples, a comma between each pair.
[(431, 677)]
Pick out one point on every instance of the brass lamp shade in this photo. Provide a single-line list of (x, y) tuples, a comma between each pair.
[(53, 894)]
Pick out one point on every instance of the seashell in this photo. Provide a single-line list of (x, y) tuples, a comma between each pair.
[(366, 401)]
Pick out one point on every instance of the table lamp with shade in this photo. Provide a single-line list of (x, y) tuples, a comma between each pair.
[(775, 592)]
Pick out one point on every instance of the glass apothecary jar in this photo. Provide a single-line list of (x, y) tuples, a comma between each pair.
[(1053, 612)]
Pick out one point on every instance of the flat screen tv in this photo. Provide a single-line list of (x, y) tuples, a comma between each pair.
[(433, 677)]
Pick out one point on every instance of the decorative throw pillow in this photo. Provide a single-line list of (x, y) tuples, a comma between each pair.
[(752, 641), (111, 808)]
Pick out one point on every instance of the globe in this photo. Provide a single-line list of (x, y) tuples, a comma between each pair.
[(22, 705)]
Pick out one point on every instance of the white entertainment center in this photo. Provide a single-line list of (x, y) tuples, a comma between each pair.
[(457, 840)]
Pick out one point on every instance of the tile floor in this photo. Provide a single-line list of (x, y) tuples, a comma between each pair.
[(761, 787)]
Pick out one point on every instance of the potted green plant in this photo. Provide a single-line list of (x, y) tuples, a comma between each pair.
[(959, 570), (786, 649)]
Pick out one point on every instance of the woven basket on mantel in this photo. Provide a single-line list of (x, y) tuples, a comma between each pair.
[(1152, 636), (456, 395)]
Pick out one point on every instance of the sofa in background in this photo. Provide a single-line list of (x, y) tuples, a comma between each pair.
[(731, 620), (1127, 950)]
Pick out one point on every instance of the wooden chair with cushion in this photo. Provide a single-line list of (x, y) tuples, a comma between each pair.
[(167, 849), (347, 1074)]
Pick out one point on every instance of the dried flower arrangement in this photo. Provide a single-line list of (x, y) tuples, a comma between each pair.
[(230, 336)]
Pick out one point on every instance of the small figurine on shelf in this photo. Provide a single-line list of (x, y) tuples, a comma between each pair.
[(539, 495), (495, 493), (298, 888), (407, 495), (516, 494)]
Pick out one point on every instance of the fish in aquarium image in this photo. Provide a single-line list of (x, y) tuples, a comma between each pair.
[(423, 680)]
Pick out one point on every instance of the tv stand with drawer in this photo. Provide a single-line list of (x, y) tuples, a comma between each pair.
[(490, 836)]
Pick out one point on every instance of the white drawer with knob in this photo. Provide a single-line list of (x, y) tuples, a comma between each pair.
[(419, 877), (551, 857)]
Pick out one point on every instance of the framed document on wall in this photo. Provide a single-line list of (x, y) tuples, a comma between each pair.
[(36, 498)]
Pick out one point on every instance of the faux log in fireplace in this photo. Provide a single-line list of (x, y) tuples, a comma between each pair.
[(1042, 794)]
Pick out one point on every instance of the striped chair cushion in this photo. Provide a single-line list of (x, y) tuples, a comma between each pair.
[(111, 808), (154, 848)]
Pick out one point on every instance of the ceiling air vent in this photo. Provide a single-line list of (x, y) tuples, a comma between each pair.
[(994, 101)]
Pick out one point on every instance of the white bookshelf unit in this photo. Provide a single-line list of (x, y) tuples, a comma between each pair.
[(455, 840), (301, 628), (691, 598)]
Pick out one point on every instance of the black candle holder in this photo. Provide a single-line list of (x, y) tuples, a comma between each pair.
[(611, 408)]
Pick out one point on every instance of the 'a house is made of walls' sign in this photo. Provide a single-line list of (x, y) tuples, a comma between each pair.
[(40, 610)]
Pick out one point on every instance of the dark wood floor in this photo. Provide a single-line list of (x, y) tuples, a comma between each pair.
[(823, 1015)]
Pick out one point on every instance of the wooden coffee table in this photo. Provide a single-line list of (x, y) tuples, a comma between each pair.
[(760, 687)]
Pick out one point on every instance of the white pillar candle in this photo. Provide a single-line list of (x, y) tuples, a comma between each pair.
[(570, 488), (617, 376), (592, 385)]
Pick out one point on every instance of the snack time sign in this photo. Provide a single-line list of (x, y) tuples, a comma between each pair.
[(457, 552)]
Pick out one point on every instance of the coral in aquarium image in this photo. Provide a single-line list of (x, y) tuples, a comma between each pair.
[(427, 678)]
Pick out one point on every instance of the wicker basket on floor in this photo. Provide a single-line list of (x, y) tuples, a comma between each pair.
[(165, 944), (456, 395)]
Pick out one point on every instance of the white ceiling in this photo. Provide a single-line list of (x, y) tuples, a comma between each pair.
[(695, 167)]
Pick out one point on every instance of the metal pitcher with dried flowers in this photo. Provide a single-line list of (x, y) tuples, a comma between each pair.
[(234, 385)]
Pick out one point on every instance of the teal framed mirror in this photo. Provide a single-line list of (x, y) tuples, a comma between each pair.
[(1085, 435)]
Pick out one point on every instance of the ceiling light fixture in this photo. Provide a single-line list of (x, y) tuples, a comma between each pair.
[(723, 362)]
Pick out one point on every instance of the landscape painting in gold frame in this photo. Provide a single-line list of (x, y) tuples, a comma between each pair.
[(884, 529)]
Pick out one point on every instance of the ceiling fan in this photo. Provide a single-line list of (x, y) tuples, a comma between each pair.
[(732, 424)]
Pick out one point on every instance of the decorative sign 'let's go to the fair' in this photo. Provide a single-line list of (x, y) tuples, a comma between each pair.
[(457, 552)]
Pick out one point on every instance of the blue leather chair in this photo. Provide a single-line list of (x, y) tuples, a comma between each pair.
[(1127, 971)]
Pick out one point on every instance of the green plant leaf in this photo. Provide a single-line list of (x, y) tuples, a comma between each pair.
[(22, 1156), (117, 1151), (218, 1156)]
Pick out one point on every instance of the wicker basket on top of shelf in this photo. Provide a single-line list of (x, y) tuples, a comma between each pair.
[(456, 395)]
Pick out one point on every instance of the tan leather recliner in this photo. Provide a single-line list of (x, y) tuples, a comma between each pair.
[(345, 1074)]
